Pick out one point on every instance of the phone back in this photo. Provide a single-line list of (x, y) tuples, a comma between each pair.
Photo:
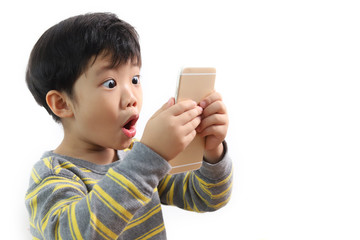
[(195, 84)]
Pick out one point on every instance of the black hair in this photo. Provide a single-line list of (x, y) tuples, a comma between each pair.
[(63, 52)]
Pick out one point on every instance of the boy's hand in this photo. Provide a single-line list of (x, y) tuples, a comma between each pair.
[(172, 128), (214, 126)]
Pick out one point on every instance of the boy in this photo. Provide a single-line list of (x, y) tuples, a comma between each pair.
[(85, 72)]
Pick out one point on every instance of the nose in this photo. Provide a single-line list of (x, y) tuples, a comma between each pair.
[(128, 98)]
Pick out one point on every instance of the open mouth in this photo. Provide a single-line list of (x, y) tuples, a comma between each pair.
[(129, 128)]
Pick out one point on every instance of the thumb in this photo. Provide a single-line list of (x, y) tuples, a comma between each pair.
[(168, 104)]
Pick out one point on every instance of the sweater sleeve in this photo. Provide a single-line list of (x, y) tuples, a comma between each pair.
[(61, 207), (206, 189)]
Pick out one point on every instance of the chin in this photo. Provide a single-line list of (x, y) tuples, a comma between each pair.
[(124, 144)]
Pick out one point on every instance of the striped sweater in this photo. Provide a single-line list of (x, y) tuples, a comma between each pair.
[(74, 199)]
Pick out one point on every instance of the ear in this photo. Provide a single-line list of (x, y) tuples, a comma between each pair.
[(59, 104)]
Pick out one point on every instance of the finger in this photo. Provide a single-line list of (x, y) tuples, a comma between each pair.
[(170, 103), (167, 105), (219, 131), (215, 119), (191, 125), (212, 97), (189, 115), (182, 107), (212, 142), (188, 138), (217, 107)]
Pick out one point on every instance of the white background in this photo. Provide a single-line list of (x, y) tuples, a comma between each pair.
[(290, 77)]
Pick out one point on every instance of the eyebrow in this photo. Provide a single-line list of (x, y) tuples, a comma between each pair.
[(108, 65), (102, 69)]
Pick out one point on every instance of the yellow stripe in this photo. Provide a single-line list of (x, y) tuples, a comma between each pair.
[(143, 218), (127, 189), (185, 186), (32, 225), (195, 208), (67, 165), (74, 222), (38, 229), (89, 180), (60, 238), (57, 232), (217, 196), (112, 204), (67, 186), (35, 176), (47, 217), (84, 170), (99, 226), (33, 205), (56, 209), (47, 162), (170, 194), (58, 168), (98, 231), (69, 221), (216, 206), (210, 185), (152, 232), (131, 145), (32, 211), (128, 186), (164, 183), (64, 165), (76, 178), (49, 181), (205, 188)]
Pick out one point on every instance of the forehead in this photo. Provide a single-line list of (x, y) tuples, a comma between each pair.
[(100, 64), (104, 62)]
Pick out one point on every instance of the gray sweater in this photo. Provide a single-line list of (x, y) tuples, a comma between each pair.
[(74, 199)]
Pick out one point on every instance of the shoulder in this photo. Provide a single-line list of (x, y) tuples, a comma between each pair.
[(51, 165), (52, 175)]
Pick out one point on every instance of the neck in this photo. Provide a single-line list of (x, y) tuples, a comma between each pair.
[(86, 151)]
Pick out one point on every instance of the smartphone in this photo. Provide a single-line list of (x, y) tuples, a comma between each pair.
[(195, 84)]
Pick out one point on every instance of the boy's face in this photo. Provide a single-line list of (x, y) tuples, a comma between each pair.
[(107, 104)]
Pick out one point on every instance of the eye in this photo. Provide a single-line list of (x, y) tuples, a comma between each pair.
[(109, 83), (136, 79)]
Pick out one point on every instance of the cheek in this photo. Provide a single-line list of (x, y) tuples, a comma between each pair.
[(97, 113), (139, 98)]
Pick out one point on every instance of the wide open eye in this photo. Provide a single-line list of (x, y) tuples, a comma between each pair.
[(136, 79), (109, 83)]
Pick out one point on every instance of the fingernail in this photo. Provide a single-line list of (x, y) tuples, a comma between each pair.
[(170, 101), (202, 104)]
